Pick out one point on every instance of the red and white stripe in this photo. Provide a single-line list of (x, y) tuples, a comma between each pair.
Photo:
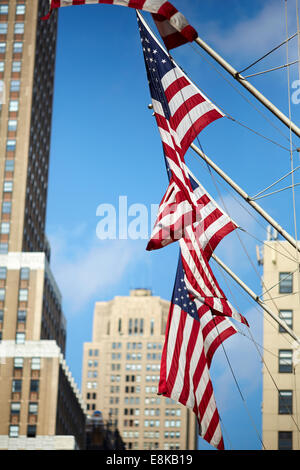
[(172, 25), (191, 111), (186, 358), (200, 280), (210, 222), (174, 215)]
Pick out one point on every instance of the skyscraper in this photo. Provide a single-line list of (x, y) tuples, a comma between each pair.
[(281, 373), (39, 400), (120, 374)]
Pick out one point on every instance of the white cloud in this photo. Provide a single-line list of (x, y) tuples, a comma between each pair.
[(253, 35), (85, 269)]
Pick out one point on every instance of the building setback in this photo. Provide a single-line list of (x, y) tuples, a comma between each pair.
[(281, 373), (120, 374), (40, 405)]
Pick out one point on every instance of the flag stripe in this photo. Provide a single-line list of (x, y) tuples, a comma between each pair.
[(178, 32)]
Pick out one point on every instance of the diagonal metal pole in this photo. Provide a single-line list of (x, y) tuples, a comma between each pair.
[(247, 198), (242, 80), (249, 291)]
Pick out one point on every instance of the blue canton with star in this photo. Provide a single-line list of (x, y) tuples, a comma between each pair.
[(181, 295), (157, 64)]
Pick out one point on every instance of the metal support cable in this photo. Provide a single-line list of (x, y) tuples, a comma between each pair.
[(274, 192), (268, 53), (272, 69), (273, 184)]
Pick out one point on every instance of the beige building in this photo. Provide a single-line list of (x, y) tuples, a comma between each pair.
[(120, 374), (40, 406), (281, 370)]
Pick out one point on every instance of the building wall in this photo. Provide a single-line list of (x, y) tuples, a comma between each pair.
[(30, 301), (278, 417), (28, 76), (121, 373), (40, 393)]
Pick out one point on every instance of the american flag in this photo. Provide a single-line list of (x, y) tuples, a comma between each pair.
[(192, 336), (200, 280), (171, 24), (180, 109), (175, 214)]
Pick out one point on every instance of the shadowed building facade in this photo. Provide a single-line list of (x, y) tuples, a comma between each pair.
[(40, 405), (281, 373)]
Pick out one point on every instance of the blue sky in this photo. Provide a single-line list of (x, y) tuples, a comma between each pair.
[(105, 144)]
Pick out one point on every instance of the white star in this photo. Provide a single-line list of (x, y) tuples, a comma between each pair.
[(155, 51), (164, 61)]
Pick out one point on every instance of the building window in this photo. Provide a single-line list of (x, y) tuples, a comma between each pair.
[(12, 125), (18, 362), (287, 317), (8, 186), (20, 337), (18, 48), (33, 408), (4, 9), (285, 360), (130, 326), (285, 283), (285, 440), (151, 326), (3, 272), (2, 64), (35, 363), (2, 47), (2, 295), (20, 9), (19, 28), (14, 431), (9, 165), (13, 106), (23, 295), (34, 385), (16, 385), (15, 85), (3, 28), (5, 228), (15, 408), (21, 316), (3, 248), (24, 274), (285, 402), (119, 325), (31, 430), (16, 66), (10, 145)]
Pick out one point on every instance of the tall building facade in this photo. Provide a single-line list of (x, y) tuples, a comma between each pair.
[(281, 369), (39, 401), (120, 374)]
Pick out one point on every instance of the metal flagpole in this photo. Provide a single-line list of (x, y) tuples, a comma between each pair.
[(256, 298), (246, 197), (235, 74)]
